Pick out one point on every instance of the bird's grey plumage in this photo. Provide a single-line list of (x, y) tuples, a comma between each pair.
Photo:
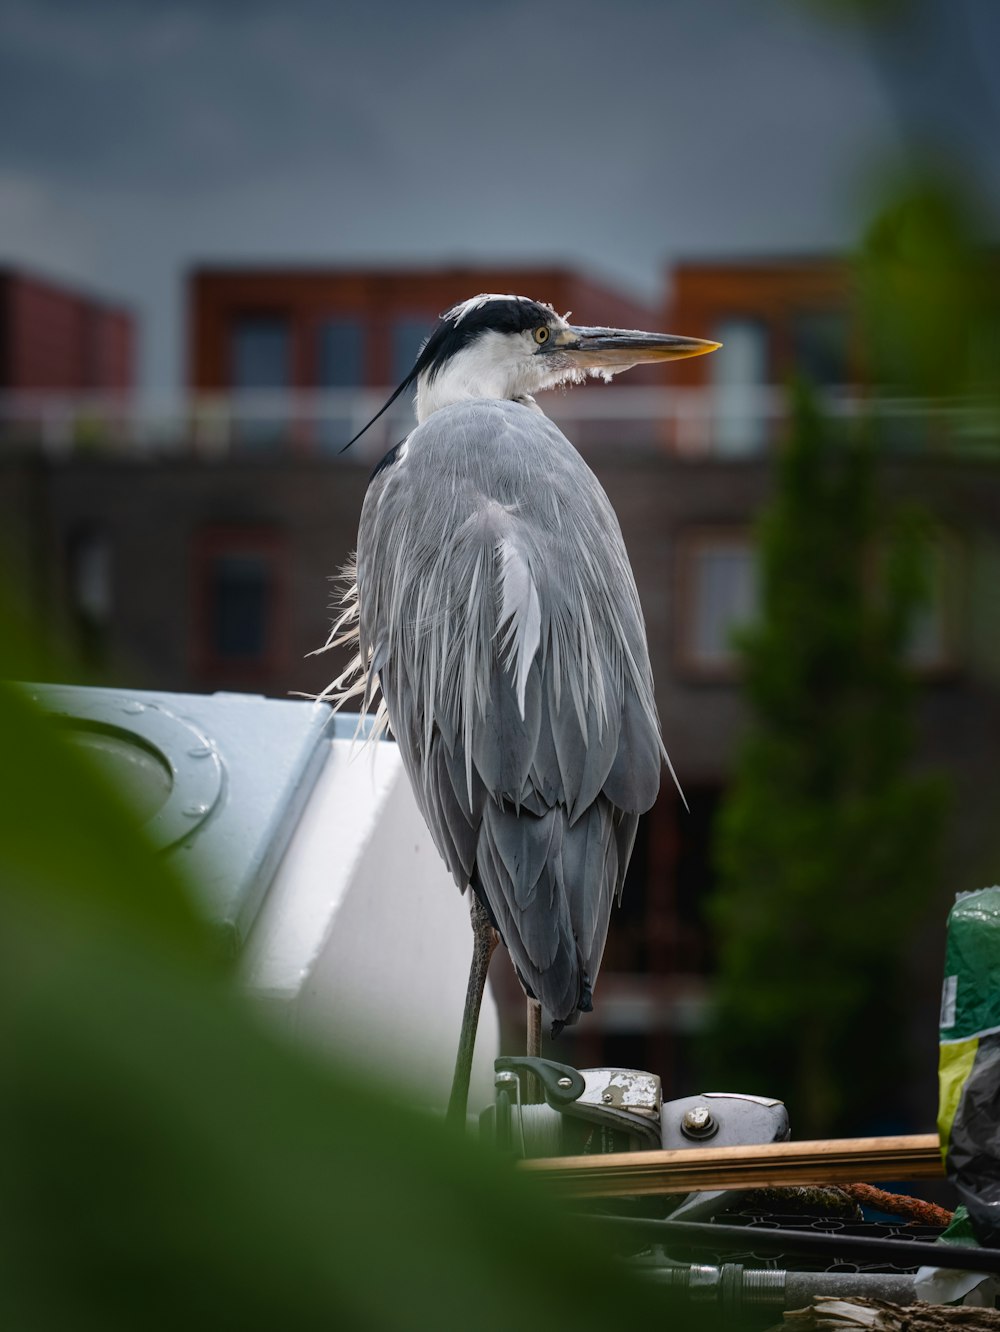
[(494, 604), (498, 608)]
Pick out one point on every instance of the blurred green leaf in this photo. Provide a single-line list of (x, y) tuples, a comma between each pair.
[(167, 1163), (930, 292)]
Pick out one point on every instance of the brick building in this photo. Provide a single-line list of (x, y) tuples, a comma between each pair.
[(328, 328), (299, 359), (53, 337)]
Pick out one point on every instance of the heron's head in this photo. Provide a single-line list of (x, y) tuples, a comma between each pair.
[(495, 346)]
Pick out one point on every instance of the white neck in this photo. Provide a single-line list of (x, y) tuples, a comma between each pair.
[(484, 369)]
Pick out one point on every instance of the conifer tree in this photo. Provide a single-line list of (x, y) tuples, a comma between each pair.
[(826, 845)]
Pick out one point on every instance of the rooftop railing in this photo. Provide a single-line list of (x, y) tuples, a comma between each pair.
[(736, 422)]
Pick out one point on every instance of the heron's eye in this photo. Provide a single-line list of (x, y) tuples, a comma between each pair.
[(541, 334)]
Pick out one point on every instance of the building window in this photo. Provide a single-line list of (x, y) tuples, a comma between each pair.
[(341, 354), (718, 594), (739, 386), (931, 645), (90, 588), (239, 600), (261, 372), (820, 347), (408, 334), (239, 595), (340, 365), (260, 352)]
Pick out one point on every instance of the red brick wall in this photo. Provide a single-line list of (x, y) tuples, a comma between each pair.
[(55, 338), (216, 297)]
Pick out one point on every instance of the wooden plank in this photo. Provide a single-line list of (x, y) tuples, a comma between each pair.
[(773, 1165)]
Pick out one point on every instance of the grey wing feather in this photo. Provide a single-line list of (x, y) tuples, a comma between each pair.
[(512, 659)]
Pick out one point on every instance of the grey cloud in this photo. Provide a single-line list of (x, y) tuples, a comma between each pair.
[(141, 137)]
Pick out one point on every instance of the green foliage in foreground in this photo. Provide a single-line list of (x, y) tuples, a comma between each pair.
[(165, 1163), (929, 294), (827, 845)]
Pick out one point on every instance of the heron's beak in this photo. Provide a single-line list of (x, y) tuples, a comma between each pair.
[(619, 348)]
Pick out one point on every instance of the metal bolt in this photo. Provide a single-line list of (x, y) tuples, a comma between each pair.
[(564, 1082), (607, 1098), (697, 1122), (504, 1079)]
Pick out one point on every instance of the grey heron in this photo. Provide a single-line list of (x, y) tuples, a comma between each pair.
[(493, 603)]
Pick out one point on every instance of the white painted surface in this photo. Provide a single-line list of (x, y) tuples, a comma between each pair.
[(363, 942)]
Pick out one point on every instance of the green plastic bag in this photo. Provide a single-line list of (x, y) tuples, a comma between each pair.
[(969, 1066)]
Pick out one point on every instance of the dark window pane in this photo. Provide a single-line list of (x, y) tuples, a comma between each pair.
[(407, 336), (90, 575), (90, 581), (820, 347), (627, 942), (695, 875), (240, 600), (261, 360), (340, 365), (930, 644), (261, 353), (725, 596), (341, 354)]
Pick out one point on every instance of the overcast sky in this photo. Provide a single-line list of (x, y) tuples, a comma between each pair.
[(142, 136)]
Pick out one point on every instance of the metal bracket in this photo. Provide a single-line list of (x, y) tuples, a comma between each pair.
[(561, 1084)]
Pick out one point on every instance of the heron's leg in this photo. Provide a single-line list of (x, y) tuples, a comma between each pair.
[(484, 942), (533, 1092), (534, 1029)]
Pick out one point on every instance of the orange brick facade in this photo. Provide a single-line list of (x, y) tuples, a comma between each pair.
[(377, 299)]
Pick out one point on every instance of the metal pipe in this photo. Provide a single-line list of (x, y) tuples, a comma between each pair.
[(735, 1288), (833, 1247)]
